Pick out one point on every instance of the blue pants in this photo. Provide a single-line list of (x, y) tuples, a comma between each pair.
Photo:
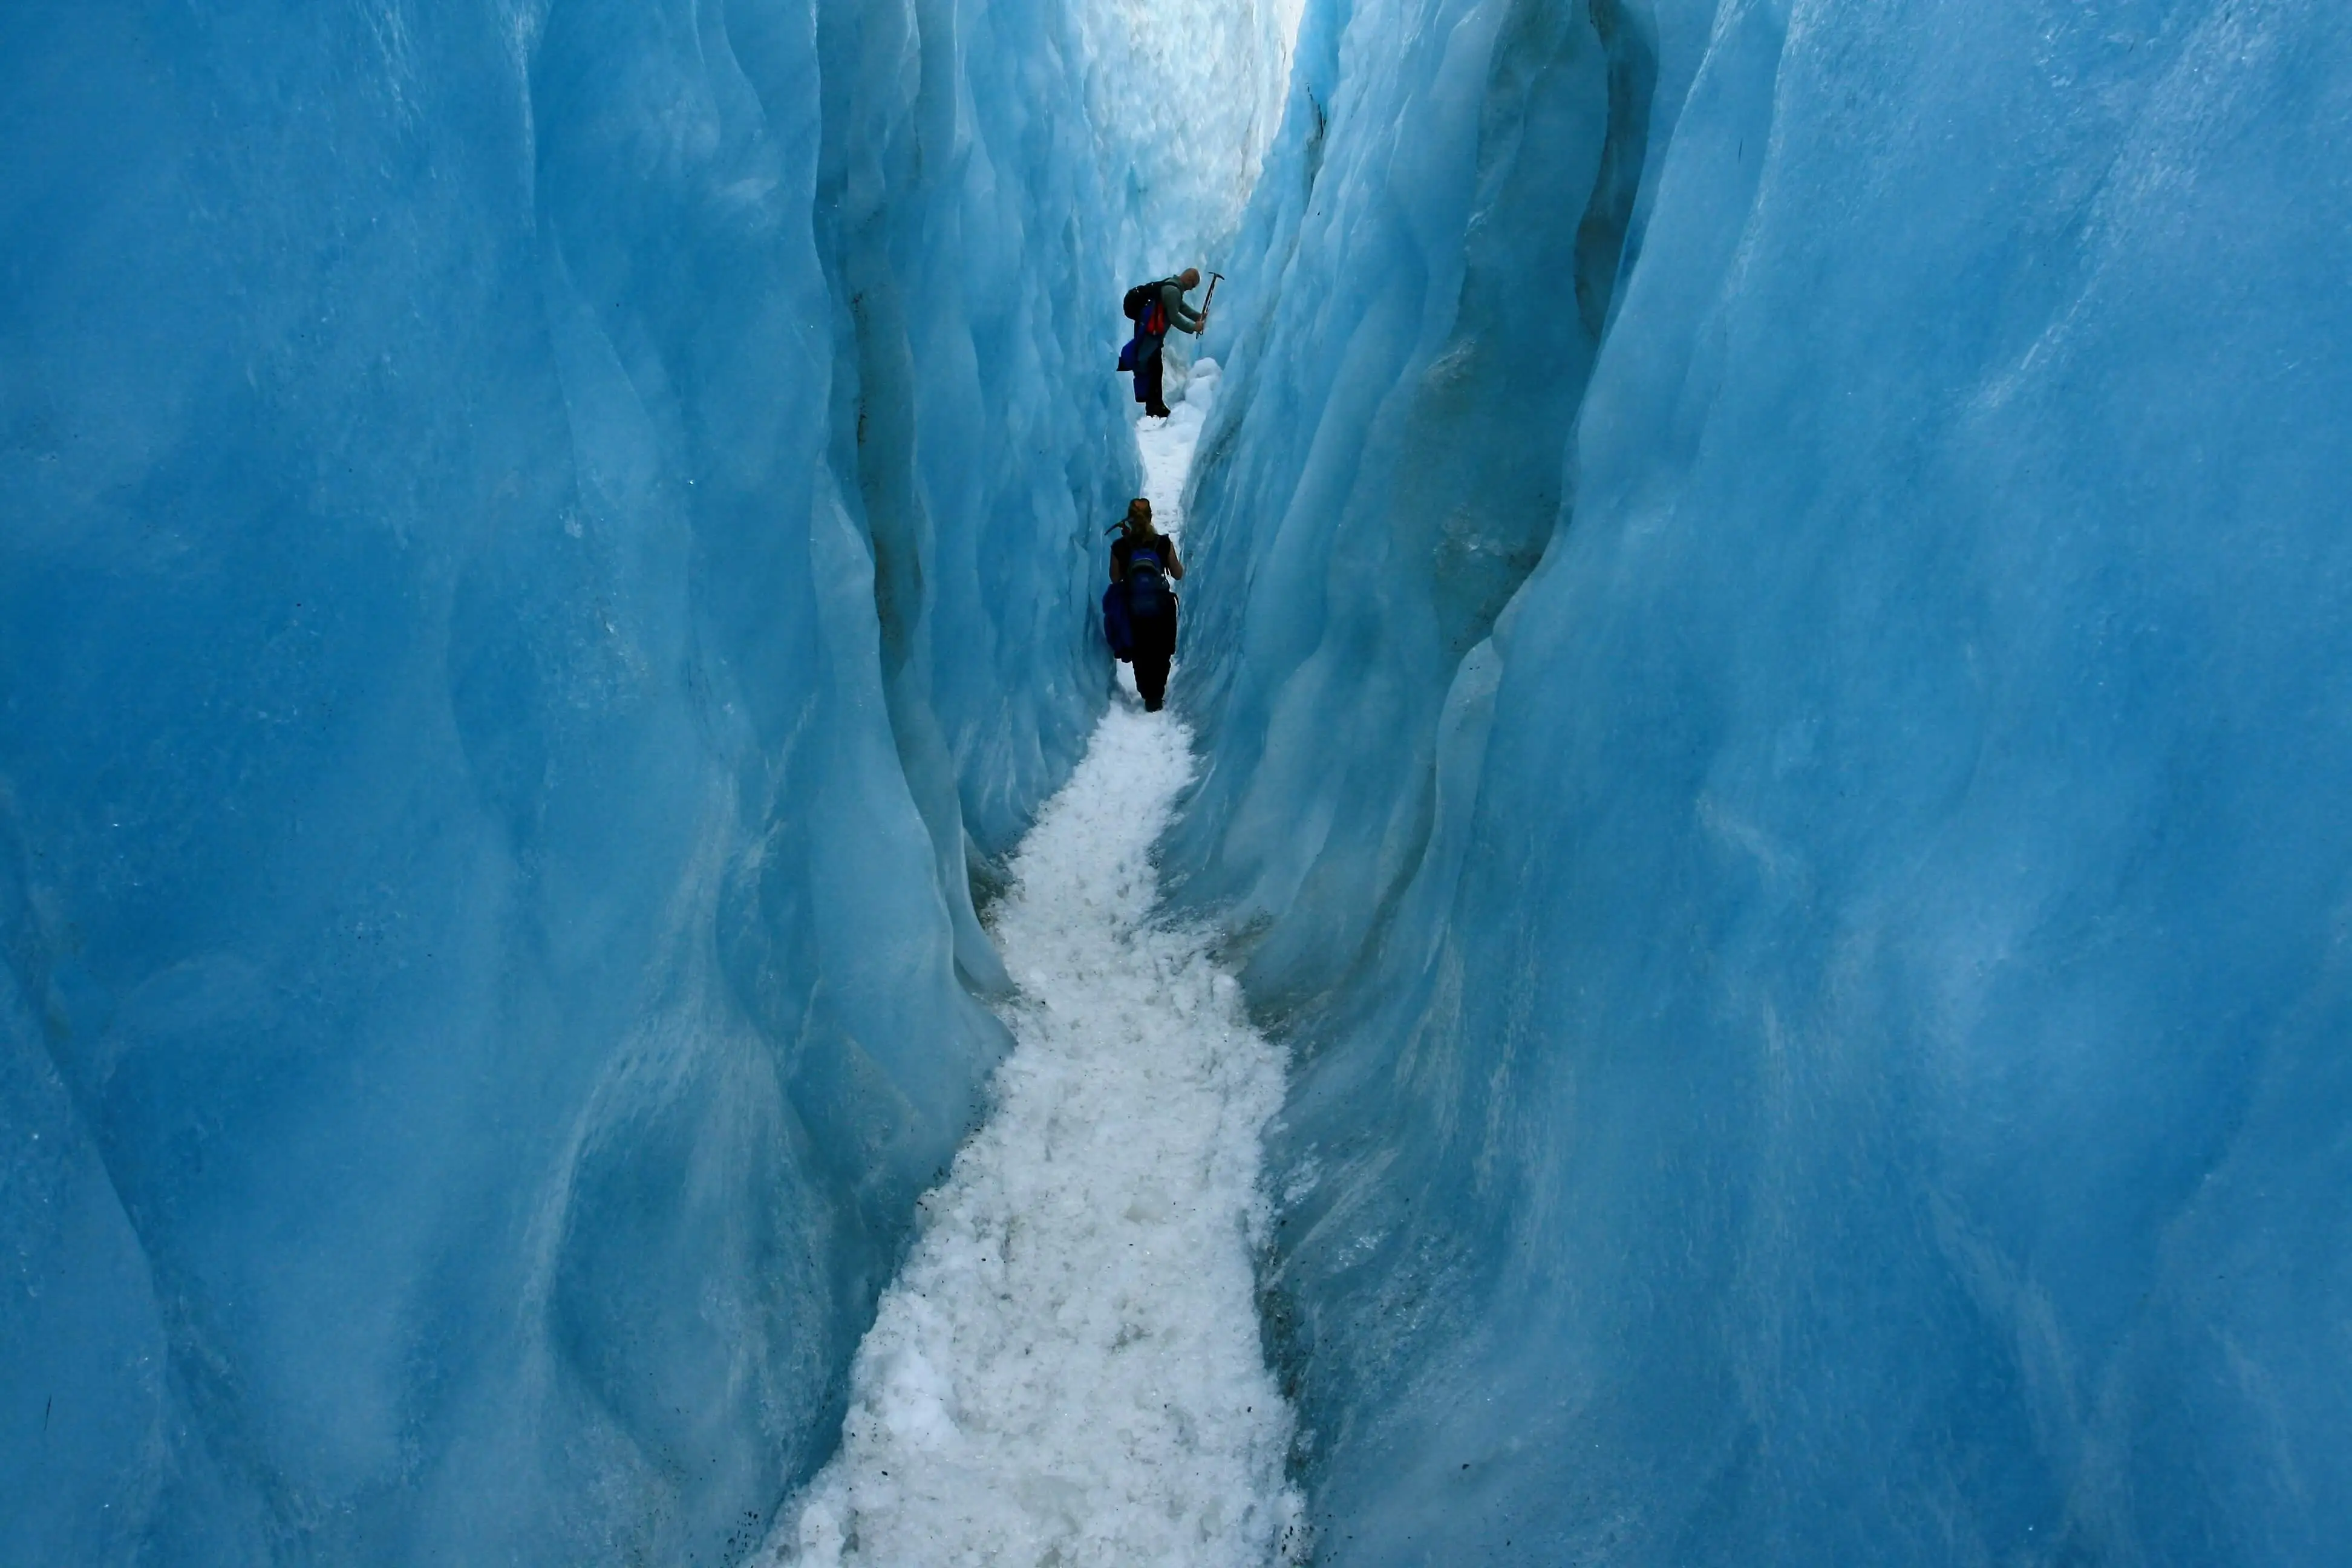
[(1149, 368)]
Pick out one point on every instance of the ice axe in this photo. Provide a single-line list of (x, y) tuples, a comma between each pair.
[(1209, 297)]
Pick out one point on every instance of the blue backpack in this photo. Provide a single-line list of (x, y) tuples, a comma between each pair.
[(1141, 597), (1148, 598)]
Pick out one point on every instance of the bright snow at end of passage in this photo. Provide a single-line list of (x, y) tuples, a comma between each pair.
[(1067, 1370), (1185, 97)]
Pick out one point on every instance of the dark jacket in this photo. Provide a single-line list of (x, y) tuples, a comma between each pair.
[(1181, 317), (1124, 546)]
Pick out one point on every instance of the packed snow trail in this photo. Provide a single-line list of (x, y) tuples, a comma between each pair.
[(1167, 444), (1067, 1370)]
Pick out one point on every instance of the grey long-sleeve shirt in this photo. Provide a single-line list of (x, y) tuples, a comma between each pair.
[(1182, 317)]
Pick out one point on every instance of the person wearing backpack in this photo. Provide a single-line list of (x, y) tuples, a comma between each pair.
[(1154, 307), (1143, 561)]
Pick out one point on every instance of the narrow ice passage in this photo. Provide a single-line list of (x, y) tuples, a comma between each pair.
[(1067, 1370)]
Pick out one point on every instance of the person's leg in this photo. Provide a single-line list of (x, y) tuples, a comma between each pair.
[(1148, 371), (1152, 674), (1155, 645)]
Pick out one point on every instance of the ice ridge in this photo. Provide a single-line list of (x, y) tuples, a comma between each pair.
[(540, 550), (1784, 813)]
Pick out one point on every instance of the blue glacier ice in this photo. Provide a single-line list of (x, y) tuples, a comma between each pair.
[(1779, 762), (1184, 96), (1767, 632), (503, 667)]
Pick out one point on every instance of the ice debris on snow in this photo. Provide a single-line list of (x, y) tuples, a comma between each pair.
[(1167, 446), (1068, 1369)]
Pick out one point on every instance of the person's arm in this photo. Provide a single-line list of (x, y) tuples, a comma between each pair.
[(1180, 316), (1175, 562)]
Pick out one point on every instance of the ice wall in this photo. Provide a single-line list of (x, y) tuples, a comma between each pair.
[(489, 742), (1406, 359), (1186, 96), (1825, 1032)]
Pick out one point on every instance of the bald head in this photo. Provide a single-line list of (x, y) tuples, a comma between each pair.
[(1190, 277)]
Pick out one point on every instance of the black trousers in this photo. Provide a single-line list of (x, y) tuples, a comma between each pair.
[(1155, 645)]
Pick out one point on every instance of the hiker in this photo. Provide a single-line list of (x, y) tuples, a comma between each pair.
[(1156, 307), (1138, 608)]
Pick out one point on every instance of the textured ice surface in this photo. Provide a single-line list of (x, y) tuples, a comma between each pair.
[(497, 650), (1187, 95), (1822, 1040), (1767, 636), (1400, 411)]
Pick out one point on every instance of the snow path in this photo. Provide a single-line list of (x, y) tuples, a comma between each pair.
[(1067, 1370), (1167, 444)]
